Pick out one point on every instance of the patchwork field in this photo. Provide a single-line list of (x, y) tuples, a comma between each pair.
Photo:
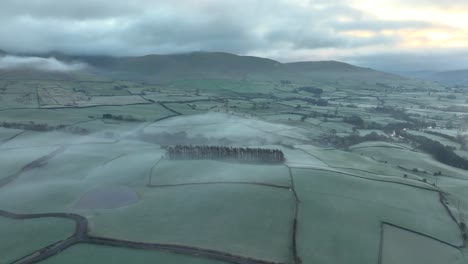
[(170, 172), (395, 248), (251, 221), (84, 160), (351, 214), (84, 253), (23, 237)]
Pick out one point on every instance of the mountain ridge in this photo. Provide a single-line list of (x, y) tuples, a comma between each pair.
[(219, 65), (457, 77)]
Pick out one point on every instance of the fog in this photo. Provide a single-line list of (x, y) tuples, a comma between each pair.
[(218, 129), (37, 63)]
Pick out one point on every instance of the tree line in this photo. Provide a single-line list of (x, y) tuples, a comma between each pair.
[(444, 154), (353, 139), (189, 152), (128, 118), (461, 139)]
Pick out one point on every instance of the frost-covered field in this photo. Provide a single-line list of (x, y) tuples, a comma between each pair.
[(92, 184)]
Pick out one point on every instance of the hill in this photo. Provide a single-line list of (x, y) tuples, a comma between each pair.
[(450, 78), (216, 65), (458, 77), (180, 68)]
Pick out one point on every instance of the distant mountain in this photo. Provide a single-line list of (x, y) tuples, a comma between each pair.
[(217, 65), (2, 52), (449, 78), (458, 77)]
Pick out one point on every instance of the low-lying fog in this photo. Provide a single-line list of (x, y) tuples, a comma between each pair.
[(10, 62), (218, 128)]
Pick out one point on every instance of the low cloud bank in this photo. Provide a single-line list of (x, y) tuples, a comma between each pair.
[(219, 129), (43, 64)]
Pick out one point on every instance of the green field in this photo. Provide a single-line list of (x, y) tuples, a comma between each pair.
[(245, 220), (351, 211), (84, 253), (441, 140), (70, 116), (355, 162), (62, 180), (23, 237), (410, 160), (170, 172), (13, 160), (7, 133), (424, 249)]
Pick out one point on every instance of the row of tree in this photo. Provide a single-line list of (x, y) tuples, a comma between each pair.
[(444, 154), (189, 152), (128, 118), (353, 139), (460, 138)]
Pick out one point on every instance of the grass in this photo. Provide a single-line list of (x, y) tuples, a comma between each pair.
[(441, 140), (26, 100), (339, 127), (59, 184), (112, 100), (364, 132), (208, 85), (450, 132), (12, 160), (200, 171), (41, 116), (457, 188), (251, 221), (410, 160), (80, 116), (395, 249), (23, 237), (168, 97), (19, 87), (34, 139), (354, 161), (85, 253), (7, 133), (184, 108), (340, 216), (102, 89), (238, 129)]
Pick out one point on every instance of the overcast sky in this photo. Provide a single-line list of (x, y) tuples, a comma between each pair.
[(385, 34)]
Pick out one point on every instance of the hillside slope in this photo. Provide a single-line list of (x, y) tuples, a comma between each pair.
[(459, 77), (216, 65), (211, 65)]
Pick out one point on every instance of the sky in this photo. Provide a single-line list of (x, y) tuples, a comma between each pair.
[(393, 35)]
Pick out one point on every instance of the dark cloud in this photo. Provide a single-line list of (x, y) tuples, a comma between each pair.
[(138, 27), (70, 10), (143, 26), (176, 34)]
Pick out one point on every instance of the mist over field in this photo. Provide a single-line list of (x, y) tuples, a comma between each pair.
[(10, 62), (217, 129)]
